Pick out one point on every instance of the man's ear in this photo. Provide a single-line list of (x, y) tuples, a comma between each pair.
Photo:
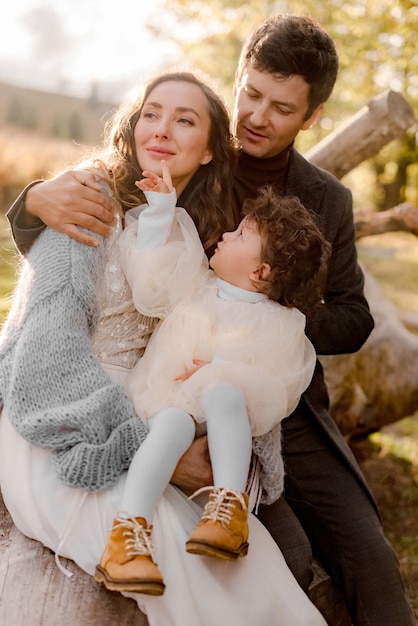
[(313, 118), (261, 273)]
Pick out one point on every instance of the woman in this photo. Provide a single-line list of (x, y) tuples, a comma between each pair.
[(194, 134), (69, 428)]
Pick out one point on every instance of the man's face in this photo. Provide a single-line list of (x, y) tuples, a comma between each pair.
[(270, 111)]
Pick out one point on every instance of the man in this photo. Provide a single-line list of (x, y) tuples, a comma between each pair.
[(287, 70)]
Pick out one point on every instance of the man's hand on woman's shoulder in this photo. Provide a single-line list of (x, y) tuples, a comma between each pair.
[(72, 199)]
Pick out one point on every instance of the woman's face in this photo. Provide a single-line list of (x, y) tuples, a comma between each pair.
[(174, 126)]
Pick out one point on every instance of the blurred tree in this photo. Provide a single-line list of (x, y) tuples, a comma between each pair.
[(210, 35), (94, 97), (56, 127), (22, 115), (75, 127), (377, 46), (15, 111)]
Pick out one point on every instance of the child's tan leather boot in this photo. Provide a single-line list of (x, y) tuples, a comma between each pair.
[(127, 564), (223, 529)]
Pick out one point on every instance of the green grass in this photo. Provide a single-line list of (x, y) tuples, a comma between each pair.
[(9, 260), (401, 440)]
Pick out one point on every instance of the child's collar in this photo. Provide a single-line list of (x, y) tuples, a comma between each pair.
[(229, 292)]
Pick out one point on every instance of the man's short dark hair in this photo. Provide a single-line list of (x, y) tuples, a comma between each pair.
[(285, 45)]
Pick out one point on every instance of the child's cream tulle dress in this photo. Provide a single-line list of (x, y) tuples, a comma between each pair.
[(244, 338), (257, 590)]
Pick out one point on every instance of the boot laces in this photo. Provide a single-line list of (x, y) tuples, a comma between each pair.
[(138, 539), (221, 504)]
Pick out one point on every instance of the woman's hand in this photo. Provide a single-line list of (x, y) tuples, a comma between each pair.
[(194, 470), (70, 200), (153, 182)]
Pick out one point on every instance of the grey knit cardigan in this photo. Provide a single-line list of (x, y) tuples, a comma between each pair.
[(56, 393)]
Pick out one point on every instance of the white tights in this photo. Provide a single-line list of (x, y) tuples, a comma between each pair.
[(229, 436), (171, 432)]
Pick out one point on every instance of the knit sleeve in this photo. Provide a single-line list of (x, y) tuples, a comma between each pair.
[(23, 234), (56, 393), (97, 466)]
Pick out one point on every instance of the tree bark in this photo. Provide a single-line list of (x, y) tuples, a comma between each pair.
[(378, 384), (383, 119), (403, 217), (34, 592)]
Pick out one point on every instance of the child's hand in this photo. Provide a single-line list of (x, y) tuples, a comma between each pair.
[(153, 182), (197, 365)]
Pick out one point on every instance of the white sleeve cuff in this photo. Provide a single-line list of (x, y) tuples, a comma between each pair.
[(155, 221)]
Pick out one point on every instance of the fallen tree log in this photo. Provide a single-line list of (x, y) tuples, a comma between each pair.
[(383, 119), (34, 592), (409, 319), (377, 385), (403, 217)]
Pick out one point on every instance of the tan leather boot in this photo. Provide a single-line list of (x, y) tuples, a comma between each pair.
[(223, 529), (127, 564)]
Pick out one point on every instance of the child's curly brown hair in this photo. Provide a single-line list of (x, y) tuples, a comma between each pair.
[(293, 246)]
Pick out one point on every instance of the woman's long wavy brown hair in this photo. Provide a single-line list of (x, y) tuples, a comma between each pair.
[(207, 197)]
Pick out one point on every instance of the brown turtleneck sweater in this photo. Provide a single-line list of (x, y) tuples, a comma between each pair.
[(253, 173)]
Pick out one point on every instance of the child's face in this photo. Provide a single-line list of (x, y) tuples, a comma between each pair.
[(238, 255)]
